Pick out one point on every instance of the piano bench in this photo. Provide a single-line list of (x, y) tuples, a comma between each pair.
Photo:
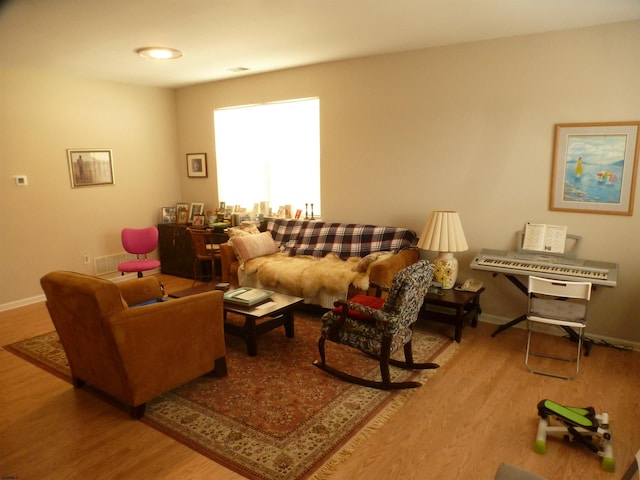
[(453, 307)]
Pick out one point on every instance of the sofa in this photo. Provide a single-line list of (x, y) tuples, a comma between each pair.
[(319, 261), (126, 342)]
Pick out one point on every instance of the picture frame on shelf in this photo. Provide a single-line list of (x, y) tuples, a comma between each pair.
[(594, 167), (182, 213), (197, 165), (196, 209), (198, 221), (169, 214), (90, 167)]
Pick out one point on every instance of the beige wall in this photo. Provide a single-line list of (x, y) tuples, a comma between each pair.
[(47, 225), (468, 127)]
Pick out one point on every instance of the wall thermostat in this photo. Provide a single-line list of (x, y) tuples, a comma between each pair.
[(20, 180)]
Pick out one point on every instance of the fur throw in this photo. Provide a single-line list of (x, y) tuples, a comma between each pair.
[(305, 276)]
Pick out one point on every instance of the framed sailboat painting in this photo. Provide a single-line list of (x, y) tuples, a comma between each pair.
[(594, 167)]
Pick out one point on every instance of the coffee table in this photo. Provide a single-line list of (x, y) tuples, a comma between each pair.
[(274, 312)]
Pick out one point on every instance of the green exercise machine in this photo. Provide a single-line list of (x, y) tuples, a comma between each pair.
[(582, 425)]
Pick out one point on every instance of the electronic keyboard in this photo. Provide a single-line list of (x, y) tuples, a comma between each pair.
[(548, 266)]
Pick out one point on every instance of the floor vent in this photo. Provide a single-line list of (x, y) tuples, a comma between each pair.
[(109, 263)]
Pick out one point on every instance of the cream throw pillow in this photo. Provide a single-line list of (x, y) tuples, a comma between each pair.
[(251, 246)]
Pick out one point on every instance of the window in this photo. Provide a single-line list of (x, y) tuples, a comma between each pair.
[(269, 152)]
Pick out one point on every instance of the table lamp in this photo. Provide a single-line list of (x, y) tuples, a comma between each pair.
[(443, 233)]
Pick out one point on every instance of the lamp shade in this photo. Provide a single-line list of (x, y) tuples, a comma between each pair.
[(443, 233)]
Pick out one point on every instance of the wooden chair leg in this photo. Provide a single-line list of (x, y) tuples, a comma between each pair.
[(323, 356), (220, 367), (77, 382), (385, 355), (409, 364), (408, 354), (137, 412)]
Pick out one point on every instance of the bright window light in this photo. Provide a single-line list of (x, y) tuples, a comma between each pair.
[(269, 152)]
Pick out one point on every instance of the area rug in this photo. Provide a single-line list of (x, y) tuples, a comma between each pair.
[(274, 416)]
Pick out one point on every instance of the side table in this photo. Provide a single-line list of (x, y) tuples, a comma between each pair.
[(453, 306)]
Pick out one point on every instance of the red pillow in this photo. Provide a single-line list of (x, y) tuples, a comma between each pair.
[(373, 302)]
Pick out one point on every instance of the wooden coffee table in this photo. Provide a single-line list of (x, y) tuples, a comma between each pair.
[(276, 311)]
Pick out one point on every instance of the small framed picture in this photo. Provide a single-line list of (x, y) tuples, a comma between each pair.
[(197, 165), (198, 221), (195, 210), (169, 214), (182, 213), (90, 166)]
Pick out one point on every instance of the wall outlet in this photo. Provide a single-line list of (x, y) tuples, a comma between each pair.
[(21, 180), (86, 259)]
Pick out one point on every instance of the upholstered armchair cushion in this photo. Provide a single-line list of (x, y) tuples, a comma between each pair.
[(134, 354), (141, 290)]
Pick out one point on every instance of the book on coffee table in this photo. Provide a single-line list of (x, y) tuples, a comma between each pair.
[(247, 296)]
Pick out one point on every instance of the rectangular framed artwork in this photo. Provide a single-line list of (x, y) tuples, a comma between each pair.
[(182, 213), (196, 209), (90, 167), (197, 165), (169, 214), (594, 167)]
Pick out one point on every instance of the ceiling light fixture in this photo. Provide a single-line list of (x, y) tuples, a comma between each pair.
[(159, 53)]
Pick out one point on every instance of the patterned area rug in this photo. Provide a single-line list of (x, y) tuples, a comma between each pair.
[(274, 416)]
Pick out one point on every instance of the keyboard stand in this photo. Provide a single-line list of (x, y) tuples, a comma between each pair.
[(573, 336)]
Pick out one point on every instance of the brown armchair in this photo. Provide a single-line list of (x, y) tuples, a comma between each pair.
[(134, 354), (229, 264)]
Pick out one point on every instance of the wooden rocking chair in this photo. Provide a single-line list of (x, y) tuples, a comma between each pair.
[(380, 332)]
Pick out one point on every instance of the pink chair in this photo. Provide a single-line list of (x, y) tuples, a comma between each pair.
[(140, 242)]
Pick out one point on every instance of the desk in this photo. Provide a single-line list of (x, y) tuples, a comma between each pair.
[(176, 249), (453, 306)]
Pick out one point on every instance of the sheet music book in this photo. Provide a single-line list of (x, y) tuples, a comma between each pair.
[(540, 237)]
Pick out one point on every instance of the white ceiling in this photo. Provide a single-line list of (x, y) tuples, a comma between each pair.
[(97, 38)]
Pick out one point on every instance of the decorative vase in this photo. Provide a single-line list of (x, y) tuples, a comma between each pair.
[(446, 269)]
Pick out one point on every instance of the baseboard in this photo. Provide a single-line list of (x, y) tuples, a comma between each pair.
[(617, 342), (22, 303), (116, 278)]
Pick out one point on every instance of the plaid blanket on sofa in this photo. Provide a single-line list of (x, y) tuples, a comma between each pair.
[(305, 237)]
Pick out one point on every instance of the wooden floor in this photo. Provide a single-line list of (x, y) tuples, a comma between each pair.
[(477, 411)]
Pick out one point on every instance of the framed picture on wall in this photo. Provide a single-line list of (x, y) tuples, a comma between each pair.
[(197, 165), (90, 167), (594, 167)]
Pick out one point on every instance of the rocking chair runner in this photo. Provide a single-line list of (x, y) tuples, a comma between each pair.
[(380, 332)]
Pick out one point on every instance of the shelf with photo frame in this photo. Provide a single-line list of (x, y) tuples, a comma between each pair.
[(169, 215), (182, 213), (177, 254)]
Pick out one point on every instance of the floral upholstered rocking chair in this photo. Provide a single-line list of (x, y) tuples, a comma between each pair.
[(379, 327)]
